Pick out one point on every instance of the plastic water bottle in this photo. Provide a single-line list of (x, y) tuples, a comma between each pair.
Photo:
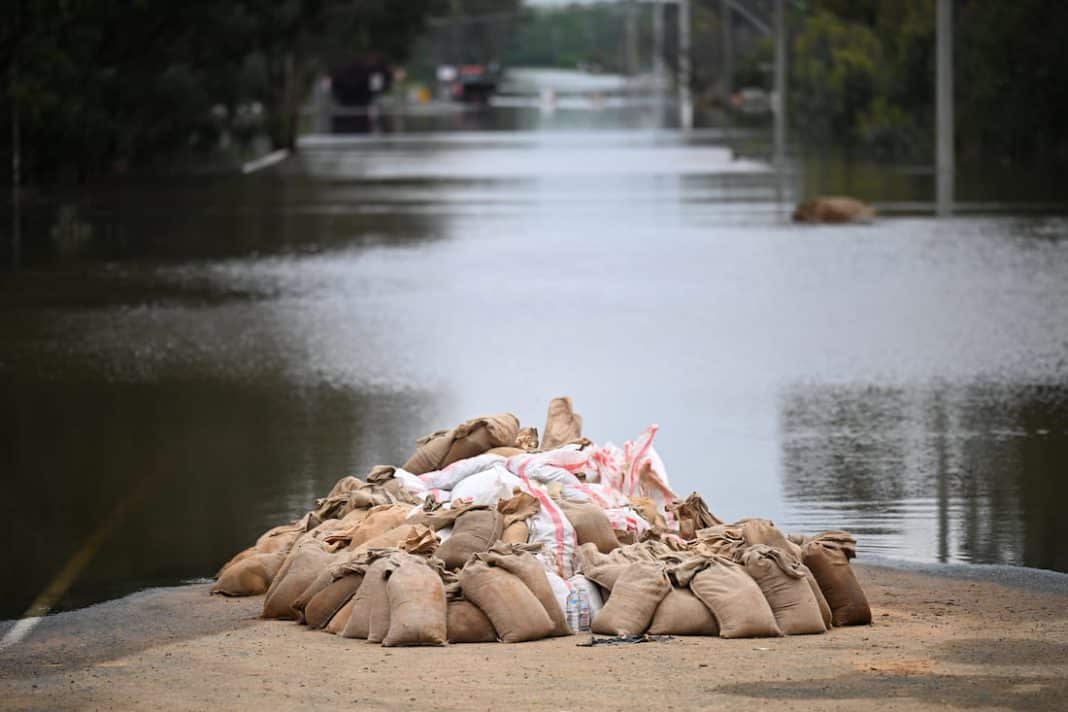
[(573, 612), (584, 612)]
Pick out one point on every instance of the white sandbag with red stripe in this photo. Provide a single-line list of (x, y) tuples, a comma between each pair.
[(450, 476)]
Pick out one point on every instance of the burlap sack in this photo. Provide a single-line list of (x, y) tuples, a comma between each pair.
[(370, 604), (646, 508), (829, 563), (530, 571), (417, 612), (466, 623), (323, 605), (506, 451), (527, 439), (682, 613), (515, 513), (764, 531), (239, 556), (562, 424), (320, 582), (305, 563), (413, 538), (591, 524), (283, 537), (821, 600), (734, 598), (340, 619), (692, 515), (476, 436), (600, 568), (431, 452), (250, 576), (516, 533), (379, 520), (474, 531), (636, 594), (515, 612), (481, 434), (782, 580)]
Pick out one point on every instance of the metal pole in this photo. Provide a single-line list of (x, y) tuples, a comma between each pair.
[(658, 44), (944, 153), (685, 96), (727, 78), (631, 32), (780, 85)]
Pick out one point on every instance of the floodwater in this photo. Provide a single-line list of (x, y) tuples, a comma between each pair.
[(187, 363)]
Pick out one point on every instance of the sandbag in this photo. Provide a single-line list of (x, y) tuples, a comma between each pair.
[(249, 576), (506, 451), (340, 619), (646, 508), (782, 580), (834, 209), (516, 533), (530, 571), (466, 623), (515, 512), (591, 524), (692, 515), (474, 531), (478, 435), (829, 563), (821, 600), (321, 608), (305, 564), (371, 602), (417, 612), (239, 556), (320, 582), (379, 520), (526, 439), (413, 538), (635, 596), (734, 598), (514, 610), (764, 531), (430, 455), (682, 613), (562, 424), (488, 487), (469, 439)]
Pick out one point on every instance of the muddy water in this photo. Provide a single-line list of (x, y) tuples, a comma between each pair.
[(185, 364)]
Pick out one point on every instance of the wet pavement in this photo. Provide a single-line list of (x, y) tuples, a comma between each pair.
[(190, 362)]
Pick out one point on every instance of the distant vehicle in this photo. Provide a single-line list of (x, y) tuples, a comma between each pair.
[(751, 100), (360, 81), (472, 83)]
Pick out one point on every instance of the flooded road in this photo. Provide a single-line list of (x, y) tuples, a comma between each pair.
[(186, 364)]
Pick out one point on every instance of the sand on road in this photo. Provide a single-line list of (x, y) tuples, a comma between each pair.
[(936, 642)]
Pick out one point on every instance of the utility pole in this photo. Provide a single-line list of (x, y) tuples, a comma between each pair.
[(780, 99), (727, 40), (944, 150), (631, 34), (685, 95), (658, 44)]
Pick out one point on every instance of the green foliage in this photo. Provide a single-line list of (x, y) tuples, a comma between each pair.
[(863, 71), (103, 84)]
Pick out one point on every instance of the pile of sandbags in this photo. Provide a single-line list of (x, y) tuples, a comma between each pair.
[(486, 534)]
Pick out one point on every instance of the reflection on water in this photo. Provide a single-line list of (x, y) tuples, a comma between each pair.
[(948, 473), (238, 345)]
